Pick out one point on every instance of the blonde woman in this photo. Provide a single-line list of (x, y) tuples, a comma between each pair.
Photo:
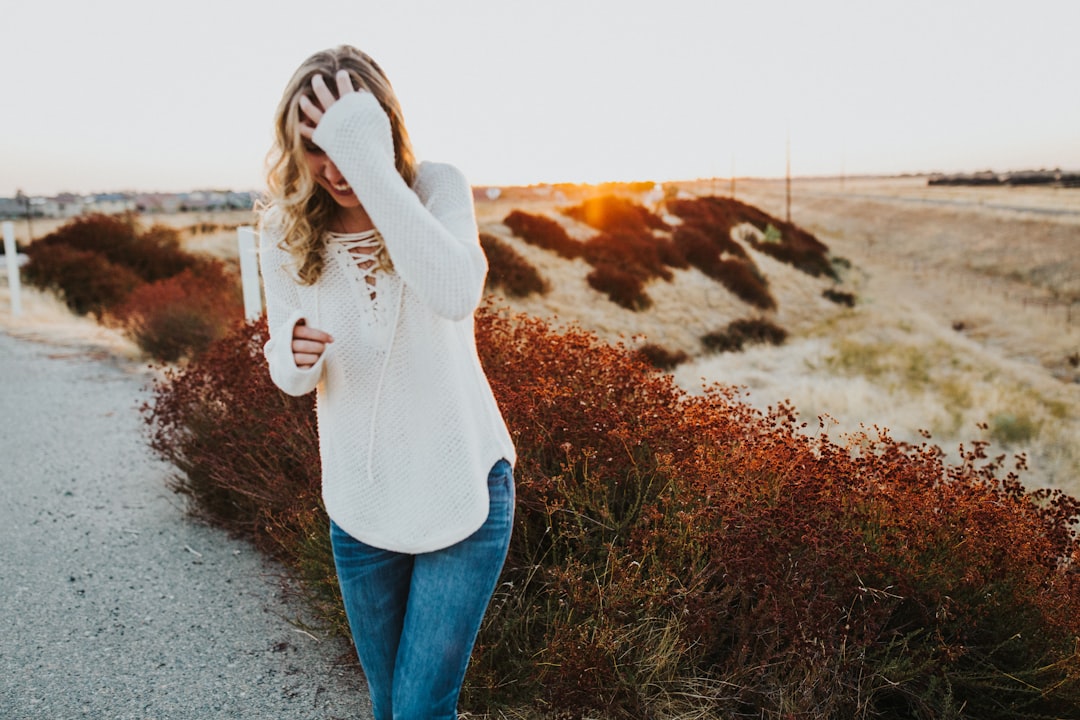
[(373, 269)]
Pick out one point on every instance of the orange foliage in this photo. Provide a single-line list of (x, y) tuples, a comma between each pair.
[(731, 559)]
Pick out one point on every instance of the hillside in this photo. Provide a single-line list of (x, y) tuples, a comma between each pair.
[(966, 322), (684, 308)]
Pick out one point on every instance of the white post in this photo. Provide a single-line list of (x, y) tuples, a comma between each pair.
[(249, 271), (11, 256)]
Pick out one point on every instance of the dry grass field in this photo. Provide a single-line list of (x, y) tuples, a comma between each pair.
[(966, 325)]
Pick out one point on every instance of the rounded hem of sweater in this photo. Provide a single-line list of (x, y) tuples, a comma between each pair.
[(435, 544)]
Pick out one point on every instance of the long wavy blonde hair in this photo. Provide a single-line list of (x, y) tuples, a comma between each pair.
[(305, 210)]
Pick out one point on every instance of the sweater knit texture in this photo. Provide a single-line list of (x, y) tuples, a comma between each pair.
[(408, 425)]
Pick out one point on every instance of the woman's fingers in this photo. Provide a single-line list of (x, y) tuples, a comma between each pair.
[(344, 83), (305, 360), (308, 346), (322, 93), (313, 113), (307, 352), (314, 110), (302, 331)]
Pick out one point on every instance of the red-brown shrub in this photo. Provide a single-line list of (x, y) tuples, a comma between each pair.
[(247, 453), (152, 254), (746, 282), (800, 250), (839, 297), (180, 316), (508, 270), (542, 232), (739, 332), (623, 288), (702, 251), (86, 280), (634, 254), (717, 216), (679, 555), (614, 214), (660, 357)]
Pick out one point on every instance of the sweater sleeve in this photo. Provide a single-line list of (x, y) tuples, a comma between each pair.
[(283, 312), (433, 243)]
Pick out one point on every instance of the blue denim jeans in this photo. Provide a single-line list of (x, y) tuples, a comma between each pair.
[(414, 618)]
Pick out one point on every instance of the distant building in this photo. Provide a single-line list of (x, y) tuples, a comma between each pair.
[(68, 205)]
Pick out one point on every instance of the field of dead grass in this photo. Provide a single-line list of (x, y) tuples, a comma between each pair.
[(967, 324)]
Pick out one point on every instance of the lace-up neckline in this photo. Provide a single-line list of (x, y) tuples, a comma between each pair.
[(362, 248), (361, 245)]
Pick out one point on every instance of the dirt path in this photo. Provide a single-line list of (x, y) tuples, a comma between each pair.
[(114, 603)]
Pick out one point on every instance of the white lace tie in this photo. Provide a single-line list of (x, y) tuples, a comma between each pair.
[(362, 247)]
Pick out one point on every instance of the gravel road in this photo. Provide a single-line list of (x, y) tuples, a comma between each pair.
[(113, 603)]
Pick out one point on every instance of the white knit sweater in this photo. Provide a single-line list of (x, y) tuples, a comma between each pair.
[(408, 426)]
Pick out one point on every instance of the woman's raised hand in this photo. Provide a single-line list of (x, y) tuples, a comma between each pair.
[(315, 110)]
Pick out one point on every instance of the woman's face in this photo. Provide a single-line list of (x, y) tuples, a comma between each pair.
[(328, 177)]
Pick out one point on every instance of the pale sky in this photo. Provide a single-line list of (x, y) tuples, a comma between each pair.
[(144, 95)]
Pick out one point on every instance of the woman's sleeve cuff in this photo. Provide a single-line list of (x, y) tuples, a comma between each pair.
[(284, 372)]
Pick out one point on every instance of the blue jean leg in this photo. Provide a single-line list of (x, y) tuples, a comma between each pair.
[(375, 589), (417, 616)]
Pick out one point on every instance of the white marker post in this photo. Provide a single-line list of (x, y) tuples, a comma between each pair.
[(249, 272), (11, 258)]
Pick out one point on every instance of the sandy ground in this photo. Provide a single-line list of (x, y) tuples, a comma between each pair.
[(115, 603)]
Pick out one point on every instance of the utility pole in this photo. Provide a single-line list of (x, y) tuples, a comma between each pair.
[(24, 199), (787, 176)]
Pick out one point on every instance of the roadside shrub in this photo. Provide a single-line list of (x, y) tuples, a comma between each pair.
[(660, 357), (180, 316), (152, 254), (689, 556), (240, 446), (507, 269), (94, 262), (86, 280), (741, 332), (543, 232), (247, 457)]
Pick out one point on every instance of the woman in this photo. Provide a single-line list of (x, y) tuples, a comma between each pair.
[(372, 269)]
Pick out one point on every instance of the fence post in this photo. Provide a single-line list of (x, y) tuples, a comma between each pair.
[(11, 257), (249, 272)]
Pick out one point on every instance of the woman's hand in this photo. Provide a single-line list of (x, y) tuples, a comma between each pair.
[(308, 345), (314, 111)]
